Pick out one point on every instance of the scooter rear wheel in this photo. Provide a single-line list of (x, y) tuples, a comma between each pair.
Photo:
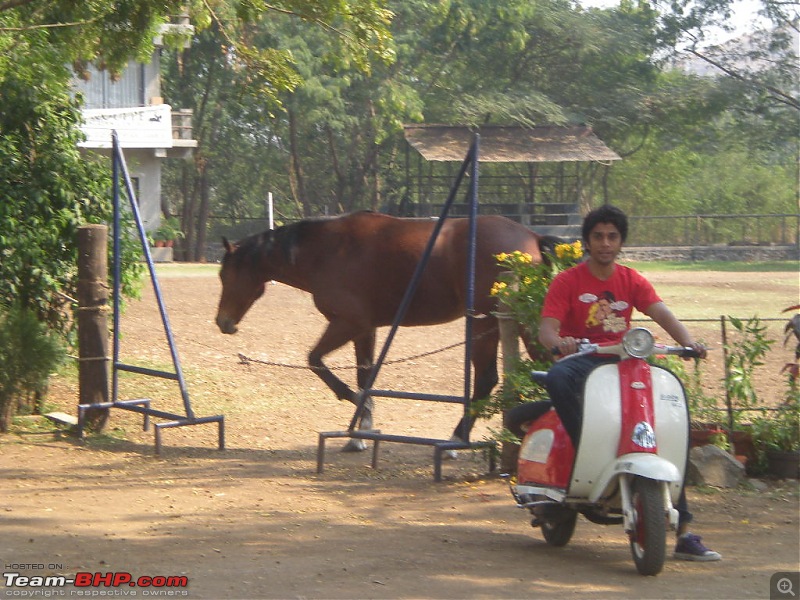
[(558, 532), (649, 535)]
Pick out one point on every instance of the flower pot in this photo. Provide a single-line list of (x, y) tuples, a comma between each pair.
[(785, 465), (743, 444), (703, 434)]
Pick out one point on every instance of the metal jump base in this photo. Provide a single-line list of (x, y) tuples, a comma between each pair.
[(440, 446), (142, 406)]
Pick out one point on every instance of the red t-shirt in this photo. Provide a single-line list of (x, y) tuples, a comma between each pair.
[(588, 307)]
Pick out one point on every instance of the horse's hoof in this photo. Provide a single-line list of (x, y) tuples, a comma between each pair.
[(355, 446), (451, 454)]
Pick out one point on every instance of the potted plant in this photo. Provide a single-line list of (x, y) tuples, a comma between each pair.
[(777, 439), (167, 233), (777, 435), (743, 355), (705, 414)]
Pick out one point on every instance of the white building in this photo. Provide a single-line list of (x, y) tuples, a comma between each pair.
[(149, 131)]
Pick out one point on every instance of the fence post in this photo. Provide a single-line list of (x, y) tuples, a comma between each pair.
[(728, 404), (93, 322), (509, 343)]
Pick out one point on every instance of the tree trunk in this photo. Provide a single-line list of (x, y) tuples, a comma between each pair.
[(202, 217), (295, 170)]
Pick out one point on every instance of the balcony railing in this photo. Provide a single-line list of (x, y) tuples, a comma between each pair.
[(182, 123)]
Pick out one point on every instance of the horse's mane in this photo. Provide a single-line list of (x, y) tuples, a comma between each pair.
[(250, 249)]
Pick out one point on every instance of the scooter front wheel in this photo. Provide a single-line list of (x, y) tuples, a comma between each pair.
[(648, 538)]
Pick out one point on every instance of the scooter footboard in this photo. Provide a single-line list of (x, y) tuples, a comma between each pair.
[(651, 466)]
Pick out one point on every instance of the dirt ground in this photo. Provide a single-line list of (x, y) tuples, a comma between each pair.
[(257, 521)]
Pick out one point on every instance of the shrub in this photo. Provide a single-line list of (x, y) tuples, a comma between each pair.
[(28, 354)]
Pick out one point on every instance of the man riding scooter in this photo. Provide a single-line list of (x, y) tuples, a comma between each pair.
[(594, 300)]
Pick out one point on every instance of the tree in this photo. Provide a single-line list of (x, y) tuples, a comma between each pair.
[(332, 142), (764, 64), (48, 188), (229, 78)]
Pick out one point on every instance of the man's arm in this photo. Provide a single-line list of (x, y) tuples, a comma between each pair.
[(549, 337), (677, 330)]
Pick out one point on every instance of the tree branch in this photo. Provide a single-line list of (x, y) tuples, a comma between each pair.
[(47, 26), (779, 95)]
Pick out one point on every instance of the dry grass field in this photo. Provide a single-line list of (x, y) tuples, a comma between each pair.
[(257, 521)]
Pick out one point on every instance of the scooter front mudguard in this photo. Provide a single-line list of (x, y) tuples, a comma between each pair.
[(650, 466)]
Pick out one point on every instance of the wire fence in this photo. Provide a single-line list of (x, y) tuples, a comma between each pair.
[(710, 230), (734, 231), (769, 383)]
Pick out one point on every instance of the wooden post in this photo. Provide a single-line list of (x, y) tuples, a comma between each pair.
[(509, 343), (93, 322)]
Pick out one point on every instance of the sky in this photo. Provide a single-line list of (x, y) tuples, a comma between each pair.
[(744, 14)]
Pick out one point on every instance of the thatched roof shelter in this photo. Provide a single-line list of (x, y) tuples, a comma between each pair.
[(448, 143)]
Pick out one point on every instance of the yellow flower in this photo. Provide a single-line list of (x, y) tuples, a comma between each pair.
[(523, 257), (497, 288), (501, 257), (572, 251)]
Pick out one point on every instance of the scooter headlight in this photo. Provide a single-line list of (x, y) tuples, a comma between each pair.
[(639, 342)]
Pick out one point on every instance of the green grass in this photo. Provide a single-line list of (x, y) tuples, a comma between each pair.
[(776, 266), (186, 269)]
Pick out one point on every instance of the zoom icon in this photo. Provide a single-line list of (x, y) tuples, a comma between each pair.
[(784, 585)]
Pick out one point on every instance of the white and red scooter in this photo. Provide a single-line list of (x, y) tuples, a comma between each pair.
[(631, 458)]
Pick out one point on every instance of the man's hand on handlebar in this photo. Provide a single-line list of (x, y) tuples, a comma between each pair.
[(566, 345), (698, 351)]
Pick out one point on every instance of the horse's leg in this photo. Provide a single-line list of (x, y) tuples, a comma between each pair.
[(365, 353), (485, 338), (365, 359), (336, 335)]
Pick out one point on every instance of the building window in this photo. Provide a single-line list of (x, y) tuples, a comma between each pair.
[(101, 92)]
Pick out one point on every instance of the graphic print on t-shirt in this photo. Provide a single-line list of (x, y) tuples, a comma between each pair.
[(603, 312)]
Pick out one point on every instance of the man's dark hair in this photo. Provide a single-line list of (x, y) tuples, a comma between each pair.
[(605, 214)]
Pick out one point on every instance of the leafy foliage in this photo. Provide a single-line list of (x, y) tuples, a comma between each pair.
[(742, 357), (522, 288), (523, 285), (48, 190), (28, 354)]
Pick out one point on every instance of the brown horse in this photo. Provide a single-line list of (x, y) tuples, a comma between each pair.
[(357, 268)]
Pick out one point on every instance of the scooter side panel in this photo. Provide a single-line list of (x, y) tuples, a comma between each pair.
[(601, 426), (546, 453), (672, 422)]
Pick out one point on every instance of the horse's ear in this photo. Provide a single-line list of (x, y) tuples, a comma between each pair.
[(267, 237), (228, 246)]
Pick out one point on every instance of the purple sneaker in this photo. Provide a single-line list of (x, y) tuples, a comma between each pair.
[(689, 547)]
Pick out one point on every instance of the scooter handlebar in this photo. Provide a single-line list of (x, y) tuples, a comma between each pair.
[(586, 347), (682, 351)]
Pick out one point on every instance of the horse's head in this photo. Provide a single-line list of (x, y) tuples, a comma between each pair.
[(242, 281)]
